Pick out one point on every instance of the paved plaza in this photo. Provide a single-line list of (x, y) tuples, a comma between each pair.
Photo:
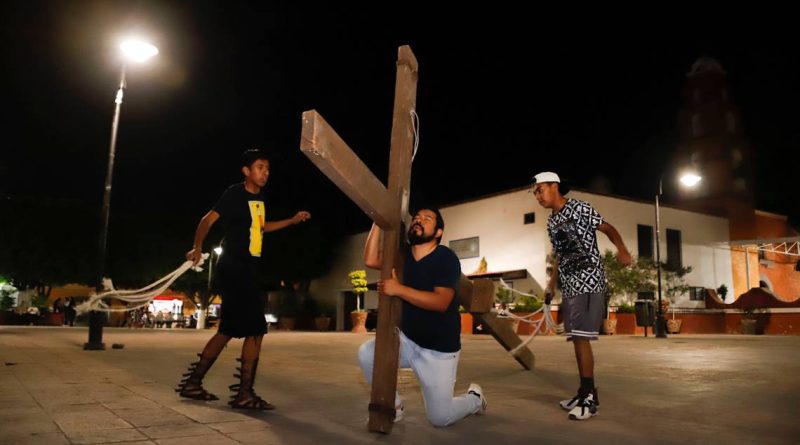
[(684, 390)]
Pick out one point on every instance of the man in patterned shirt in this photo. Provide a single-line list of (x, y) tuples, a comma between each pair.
[(580, 275)]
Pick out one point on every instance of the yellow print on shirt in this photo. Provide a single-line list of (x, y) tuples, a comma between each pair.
[(256, 226)]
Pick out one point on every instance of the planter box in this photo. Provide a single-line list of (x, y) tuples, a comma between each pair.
[(51, 319), (466, 324), (525, 328), (626, 323)]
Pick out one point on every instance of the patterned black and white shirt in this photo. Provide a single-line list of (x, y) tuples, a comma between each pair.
[(573, 234)]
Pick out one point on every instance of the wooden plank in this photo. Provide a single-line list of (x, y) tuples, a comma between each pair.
[(326, 149), (502, 332), (387, 344), (476, 296)]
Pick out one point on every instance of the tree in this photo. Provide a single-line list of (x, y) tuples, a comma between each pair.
[(622, 281), (674, 283), (47, 242), (195, 286)]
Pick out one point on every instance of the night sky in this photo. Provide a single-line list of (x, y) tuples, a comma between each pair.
[(501, 95)]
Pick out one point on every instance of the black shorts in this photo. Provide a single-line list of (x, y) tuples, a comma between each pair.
[(583, 315), (243, 305)]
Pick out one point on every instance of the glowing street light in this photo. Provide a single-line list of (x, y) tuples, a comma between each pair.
[(139, 51), (688, 179)]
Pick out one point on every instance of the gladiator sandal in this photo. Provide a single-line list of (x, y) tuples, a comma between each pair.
[(191, 387), (243, 396)]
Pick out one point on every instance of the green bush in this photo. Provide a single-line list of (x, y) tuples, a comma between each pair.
[(527, 304), (6, 300), (504, 297), (626, 308), (722, 291)]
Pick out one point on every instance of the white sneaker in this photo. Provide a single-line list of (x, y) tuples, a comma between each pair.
[(568, 404), (584, 409), (399, 412), (475, 390)]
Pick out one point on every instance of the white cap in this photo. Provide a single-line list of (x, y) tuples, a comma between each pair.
[(546, 177)]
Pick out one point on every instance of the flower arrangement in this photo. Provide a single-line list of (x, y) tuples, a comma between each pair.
[(358, 279)]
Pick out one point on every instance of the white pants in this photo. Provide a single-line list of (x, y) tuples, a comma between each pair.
[(436, 372)]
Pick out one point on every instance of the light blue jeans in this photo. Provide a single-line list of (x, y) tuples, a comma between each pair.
[(436, 372)]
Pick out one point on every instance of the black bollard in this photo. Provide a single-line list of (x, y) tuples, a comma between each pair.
[(96, 322)]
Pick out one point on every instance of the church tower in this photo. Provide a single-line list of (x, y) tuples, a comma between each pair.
[(711, 142)]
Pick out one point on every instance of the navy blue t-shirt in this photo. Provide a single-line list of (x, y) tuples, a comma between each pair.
[(439, 331)]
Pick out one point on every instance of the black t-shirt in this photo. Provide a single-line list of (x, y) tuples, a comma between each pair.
[(242, 218), (439, 331)]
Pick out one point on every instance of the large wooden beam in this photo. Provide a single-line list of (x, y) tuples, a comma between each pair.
[(502, 332), (387, 340), (326, 149), (476, 296)]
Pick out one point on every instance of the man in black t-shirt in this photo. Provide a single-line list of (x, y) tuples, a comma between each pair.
[(430, 341), (242, 212)]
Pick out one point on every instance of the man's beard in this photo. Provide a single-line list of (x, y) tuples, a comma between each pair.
[(415, 239)]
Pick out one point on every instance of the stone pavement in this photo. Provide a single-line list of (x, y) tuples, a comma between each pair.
[(684, 390)]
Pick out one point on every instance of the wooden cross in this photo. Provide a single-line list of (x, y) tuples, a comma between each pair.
[(388, 208)]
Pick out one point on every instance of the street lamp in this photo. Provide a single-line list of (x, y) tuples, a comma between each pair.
[(688, 179), (218, 251), (201, 314), (138, 51)]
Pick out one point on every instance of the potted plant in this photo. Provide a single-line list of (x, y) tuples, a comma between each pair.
[(722, 291), (622, 281), (288, 308), (324, 313), (358, 279), (749, 322), (466, 321), (674, 285), (524, 306), (626, 319), (504, 298)]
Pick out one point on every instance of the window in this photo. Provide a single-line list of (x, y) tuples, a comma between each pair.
[(674, 259), (466, 247), (645, 239), (697, 293), (530, 218)]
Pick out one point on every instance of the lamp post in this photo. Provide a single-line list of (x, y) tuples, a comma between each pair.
[(688, 179), (218, 251), (201, 314), (138, 51)]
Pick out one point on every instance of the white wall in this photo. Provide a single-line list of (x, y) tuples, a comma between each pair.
[(505, 242), (509, 244), (711, 266)]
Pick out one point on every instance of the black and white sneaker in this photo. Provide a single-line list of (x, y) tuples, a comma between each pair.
[(568, 404), (584, 409)]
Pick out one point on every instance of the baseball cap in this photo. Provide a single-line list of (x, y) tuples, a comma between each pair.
[(551, 177), (546, 177)]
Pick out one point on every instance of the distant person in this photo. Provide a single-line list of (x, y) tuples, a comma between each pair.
[(70, 312)]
